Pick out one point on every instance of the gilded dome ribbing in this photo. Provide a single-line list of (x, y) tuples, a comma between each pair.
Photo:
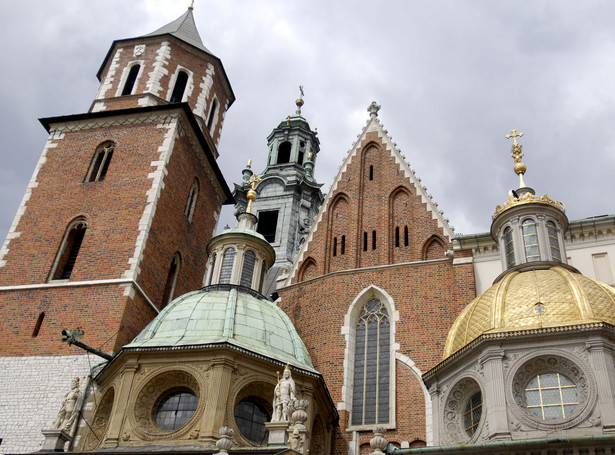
[(533, 299)]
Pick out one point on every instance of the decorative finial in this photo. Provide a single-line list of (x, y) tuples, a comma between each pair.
[(517, 154), (299, 101), (247, 172), (251, 195), (373, 109), (191, 5)]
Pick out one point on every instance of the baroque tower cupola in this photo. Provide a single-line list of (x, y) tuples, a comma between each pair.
[(289, 196), (528, 228)]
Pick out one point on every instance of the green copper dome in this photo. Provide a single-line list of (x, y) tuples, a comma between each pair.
[(226, 314)]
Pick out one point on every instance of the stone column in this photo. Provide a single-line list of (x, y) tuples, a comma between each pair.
[(494, 399), (116, 419), (601, 358), (217, 398), (434, 392)]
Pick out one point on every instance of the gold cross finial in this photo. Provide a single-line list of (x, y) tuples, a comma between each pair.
[(251, 194), (517, 154)]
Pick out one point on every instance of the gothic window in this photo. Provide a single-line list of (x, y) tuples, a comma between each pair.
[(530, 240), (227, 266), (180, 87), (247, 271), (365, 241), (268, 224), (335, 246), (509, 248), (371, 172), (213, 112), (373, 240), (100, 162), (405, 235), (169, 286), (370, 396), (191, 202), (284, 152), (130, 80), (397, 237), (556, 254), (69, 249), (343, 245)]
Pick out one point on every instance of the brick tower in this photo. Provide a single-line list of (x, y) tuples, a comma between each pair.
[(289, 196), (115, 219), (374, 292)]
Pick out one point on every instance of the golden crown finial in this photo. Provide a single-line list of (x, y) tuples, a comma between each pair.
[(517, 154), (252, 194)]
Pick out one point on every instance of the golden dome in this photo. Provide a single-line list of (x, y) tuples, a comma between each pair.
[(533, 299)]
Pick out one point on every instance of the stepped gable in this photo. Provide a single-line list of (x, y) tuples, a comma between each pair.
[(376, 212)]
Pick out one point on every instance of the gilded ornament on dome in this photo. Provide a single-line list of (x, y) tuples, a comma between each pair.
[(527, 198)]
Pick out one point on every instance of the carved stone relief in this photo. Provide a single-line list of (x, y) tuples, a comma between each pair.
[(98, 426), (453, 410)]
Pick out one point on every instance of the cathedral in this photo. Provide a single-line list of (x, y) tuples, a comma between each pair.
[(354, 322)]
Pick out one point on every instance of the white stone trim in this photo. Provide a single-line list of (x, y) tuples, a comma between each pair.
[(13, 233), (404, 359), (153, 195), (208, 82), (216, 115), (163, 54), (374, 125), (66, 283), (108, 82), (348, 330)]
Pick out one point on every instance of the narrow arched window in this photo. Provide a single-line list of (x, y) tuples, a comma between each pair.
[(37, 326), (247, 271), (284, 152), (530, 240), (397, 236), (343, 246), (69, 250), (191, 202), (130, 80), (169, 286), (371, 172), (556, 254), (212, 115), (370, 396), (335, 246), (373, 240), (365, 241), (100, 162), (509, 249), (227, 266), (180, 87), (405, 235)]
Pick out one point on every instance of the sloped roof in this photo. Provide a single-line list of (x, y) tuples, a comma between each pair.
[(183, 28)]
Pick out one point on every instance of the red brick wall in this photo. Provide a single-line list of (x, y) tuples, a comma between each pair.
[(427, 294), (113, 209)]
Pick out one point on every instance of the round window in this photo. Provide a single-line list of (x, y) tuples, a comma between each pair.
[(472, 413), (551, 396), (250, 418), (175, 410)]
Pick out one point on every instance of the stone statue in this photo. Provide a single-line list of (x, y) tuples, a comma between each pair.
[(283, 396), (68, 412)]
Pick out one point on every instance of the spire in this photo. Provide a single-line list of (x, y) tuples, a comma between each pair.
[(517, 154), (184, 29)]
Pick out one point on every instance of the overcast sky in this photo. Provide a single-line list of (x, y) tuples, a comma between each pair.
[(452, 77)]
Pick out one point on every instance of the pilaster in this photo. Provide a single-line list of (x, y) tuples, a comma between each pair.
[(494, 400), (217, 398), (117, 418), (603, 367)]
